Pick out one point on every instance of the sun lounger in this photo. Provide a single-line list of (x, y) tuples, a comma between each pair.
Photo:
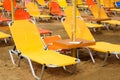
[(30, 46), (109, 4), (68, 12), (44, 32), (81, 5), (90, 3), (7, 6), (100, 16), (83, 32), (35, 12), (55, 9), (4, 36), (41, 2), (62, 3), (21, 14)]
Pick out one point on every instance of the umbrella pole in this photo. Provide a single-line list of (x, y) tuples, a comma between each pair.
[(12, 9), (74, 21), (74, 26), (99, 13)]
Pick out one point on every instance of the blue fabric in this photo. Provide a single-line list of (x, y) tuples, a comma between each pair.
[(117, 4)]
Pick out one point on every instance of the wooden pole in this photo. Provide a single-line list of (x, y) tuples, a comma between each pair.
[(99, 13), (12, 9), (74, 21), (74, 26)]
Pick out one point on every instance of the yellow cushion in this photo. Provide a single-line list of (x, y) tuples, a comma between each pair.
[(4, 35), (114, 22), (92, 25), (105, 47)]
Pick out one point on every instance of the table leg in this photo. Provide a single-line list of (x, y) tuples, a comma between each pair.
[(74, 52)]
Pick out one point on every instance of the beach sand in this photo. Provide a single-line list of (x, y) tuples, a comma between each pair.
[(86, 70)]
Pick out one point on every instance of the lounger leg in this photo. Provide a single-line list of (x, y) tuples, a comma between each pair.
[(106, 26), (77, 53), (106, 57), (42, 72), (20, 57), (117, 56), (34, 19), (33, 72), (94, 29), (90, 53), (5, 41), (11, 56), (74, 69)]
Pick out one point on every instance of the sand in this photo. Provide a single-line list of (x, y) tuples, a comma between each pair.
[(86, 70)]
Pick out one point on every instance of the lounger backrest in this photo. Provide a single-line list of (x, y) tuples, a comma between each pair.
[(69, 11), (79, 2), (62, 3), (32, 9), (82, 30), (109, 3), (26, 36), (7, 5), (101, 2), (55, 8), (41, 2), (98, 12), (90, 3), (21, 14)]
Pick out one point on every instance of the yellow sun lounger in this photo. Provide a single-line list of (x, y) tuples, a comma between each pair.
[(30, 46), (114, 9), (113, 22), (101, 2), (62, 3), (81, 5), (41, 2), (4, 36), (35, 12), (109, 3), (83, 32), (100, 15), (93, 26), (68, 12)]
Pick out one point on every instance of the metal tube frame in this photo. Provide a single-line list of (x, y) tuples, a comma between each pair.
[(11, 52), (90, 53)]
